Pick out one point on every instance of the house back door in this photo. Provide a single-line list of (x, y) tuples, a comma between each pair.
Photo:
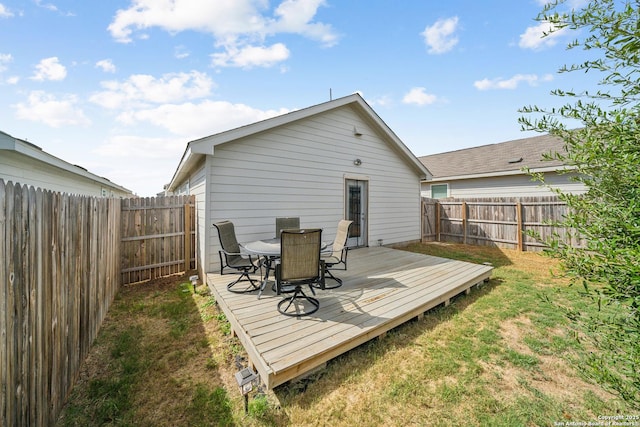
[(356, 211)]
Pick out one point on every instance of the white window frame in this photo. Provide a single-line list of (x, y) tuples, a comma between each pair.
[(439, 185)]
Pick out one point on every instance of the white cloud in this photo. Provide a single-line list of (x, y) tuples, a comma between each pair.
[(181, 52), (381, 101), (187, 119), (512, 83), (142, 164), (5, 58), (440, 37), (295, 16), (236, 25), (251, 56), (52, 7), (128, 146), (106, 65), (54, 112), (50, 69), (140, 90), (48, 6), (222, 18), (533, 38), (4, 12), (419, 96)]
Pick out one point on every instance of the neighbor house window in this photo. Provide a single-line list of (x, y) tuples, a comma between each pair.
[(439, 191), (183, 189)]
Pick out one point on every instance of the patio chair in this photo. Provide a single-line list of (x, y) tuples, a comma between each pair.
[(287, 223), (299, 265), (338, 254), (230, 257)]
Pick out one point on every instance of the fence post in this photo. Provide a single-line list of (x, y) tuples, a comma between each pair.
[(519, 226), (464, 223), (437, 221), (187, 236), (422, 219)]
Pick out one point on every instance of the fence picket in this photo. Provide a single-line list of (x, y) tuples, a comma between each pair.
[(4, 279), (54, 257), (154, 241), (503, 222), (62, 260), (12, 395)]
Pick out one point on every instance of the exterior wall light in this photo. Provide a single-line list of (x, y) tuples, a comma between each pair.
[(357, 162)]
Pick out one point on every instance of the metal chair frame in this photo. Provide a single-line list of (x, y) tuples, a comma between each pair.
[(299, 265), (287, 223), (338, 254), (230, 257)]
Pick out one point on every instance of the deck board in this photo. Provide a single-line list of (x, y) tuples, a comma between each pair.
[(382, 289)]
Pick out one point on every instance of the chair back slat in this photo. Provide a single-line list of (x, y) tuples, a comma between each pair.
[(228, 240), (300, 254), (287, 223), (341, 237)]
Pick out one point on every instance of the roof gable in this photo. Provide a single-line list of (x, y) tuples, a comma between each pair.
[(27, 149), (495, 159), (206, 146)]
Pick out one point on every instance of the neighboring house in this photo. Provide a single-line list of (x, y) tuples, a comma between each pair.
[(25, 163), (496, 170), (324, 163)]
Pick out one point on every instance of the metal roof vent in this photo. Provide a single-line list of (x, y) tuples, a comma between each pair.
[(515, 160)]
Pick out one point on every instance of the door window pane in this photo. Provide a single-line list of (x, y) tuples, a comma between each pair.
[(354, 210)]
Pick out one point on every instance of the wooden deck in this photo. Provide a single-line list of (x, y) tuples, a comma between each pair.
[(382, 289)]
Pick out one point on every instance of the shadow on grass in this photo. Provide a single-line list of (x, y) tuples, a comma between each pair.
[(154, 362), (476, 254), (357, 361)]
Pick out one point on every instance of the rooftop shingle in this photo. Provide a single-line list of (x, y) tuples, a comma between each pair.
[(495, 158)]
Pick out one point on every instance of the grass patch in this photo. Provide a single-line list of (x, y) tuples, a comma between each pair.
[(209, 408), (504, 355), (156, 362)]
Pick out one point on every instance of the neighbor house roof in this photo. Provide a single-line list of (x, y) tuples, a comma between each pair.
[(198, 148), (505, 158), (8, 142)]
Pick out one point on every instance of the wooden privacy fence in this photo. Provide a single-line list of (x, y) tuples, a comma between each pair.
[(158, 237), (503, 222), (62, 259), (59, 266)]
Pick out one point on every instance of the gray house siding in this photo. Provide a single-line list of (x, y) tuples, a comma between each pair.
[(300, 170), (26, 164), (196, 185), (297, 165), (506, 186), (497, 170)]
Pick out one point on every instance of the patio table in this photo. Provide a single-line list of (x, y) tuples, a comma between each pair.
[(269, 249)]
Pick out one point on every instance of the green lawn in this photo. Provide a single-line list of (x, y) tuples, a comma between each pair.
[(504, 355)]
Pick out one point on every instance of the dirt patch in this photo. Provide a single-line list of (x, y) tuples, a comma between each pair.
[(550, 375)]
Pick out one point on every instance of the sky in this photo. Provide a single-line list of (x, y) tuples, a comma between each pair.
[(120, 87)]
